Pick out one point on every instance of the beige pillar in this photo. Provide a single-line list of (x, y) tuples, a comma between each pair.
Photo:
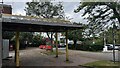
[(67, 57), (56, 44), (17, 50)]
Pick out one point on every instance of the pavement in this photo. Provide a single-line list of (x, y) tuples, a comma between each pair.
[(36, 57), (96, 55)]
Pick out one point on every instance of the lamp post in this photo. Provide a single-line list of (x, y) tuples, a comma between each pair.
[(118, 29), (113, 33)]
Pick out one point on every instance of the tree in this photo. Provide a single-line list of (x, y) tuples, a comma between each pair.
[(8, 35), (45, 10), (100, 13), (37, 40), (109, 36), (26, 37), (75, 35)]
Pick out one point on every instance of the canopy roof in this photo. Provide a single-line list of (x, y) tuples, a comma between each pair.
[(35, 24)]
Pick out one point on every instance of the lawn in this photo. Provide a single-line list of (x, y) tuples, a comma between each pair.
[(103, 64)]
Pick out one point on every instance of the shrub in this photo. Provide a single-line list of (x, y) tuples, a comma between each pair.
[(94, 47)]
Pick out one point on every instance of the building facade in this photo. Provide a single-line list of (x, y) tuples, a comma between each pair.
[(7, 9)]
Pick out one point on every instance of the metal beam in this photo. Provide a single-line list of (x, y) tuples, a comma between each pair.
[(0, 43), (67, 57), (17, 50), (56, 44)]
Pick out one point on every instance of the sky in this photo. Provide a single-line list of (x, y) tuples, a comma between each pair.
[(18, 9)]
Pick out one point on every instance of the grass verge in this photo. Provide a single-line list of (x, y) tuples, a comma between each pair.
[(103, 64)]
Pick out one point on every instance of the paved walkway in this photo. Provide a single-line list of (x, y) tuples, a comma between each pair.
[(36, 57)]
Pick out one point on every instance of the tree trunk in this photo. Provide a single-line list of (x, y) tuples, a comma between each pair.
[(75, 44), (50, 39), (51, 42)]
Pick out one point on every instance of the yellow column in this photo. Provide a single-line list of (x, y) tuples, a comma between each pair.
[(67, 57), (56, 44), (17, 50)]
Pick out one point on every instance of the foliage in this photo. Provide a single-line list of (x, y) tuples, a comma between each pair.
[(117, 36), (75, 35), (99, 14), (26, 36), (8, 35), (90, 47), (87, 45), (38, 40), (25, 39), (45, 10), (109, 36)]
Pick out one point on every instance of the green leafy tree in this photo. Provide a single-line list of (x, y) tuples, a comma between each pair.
[(100, 14), (45, 10), (75, 35), (8, 35), (109, 36), (37, 40), (26, 37)]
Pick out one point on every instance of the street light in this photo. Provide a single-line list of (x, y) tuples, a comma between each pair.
[(113, 33)]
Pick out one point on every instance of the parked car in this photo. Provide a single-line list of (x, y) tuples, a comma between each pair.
[(47, 47), (117, 46), (110, 46), (42, 46)]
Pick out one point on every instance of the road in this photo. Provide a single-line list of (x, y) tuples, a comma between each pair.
[(95, 55), (36, 57)]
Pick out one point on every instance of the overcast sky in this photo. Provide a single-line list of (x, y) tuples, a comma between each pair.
[(18, 8)]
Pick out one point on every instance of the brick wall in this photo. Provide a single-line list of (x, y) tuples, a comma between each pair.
[(7, 10)]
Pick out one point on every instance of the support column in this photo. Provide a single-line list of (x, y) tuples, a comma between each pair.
[(0, 42), (56, 44), (17, 50), (67, 57)]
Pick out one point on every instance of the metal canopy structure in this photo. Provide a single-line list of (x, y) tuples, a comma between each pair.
[(33, 24)]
